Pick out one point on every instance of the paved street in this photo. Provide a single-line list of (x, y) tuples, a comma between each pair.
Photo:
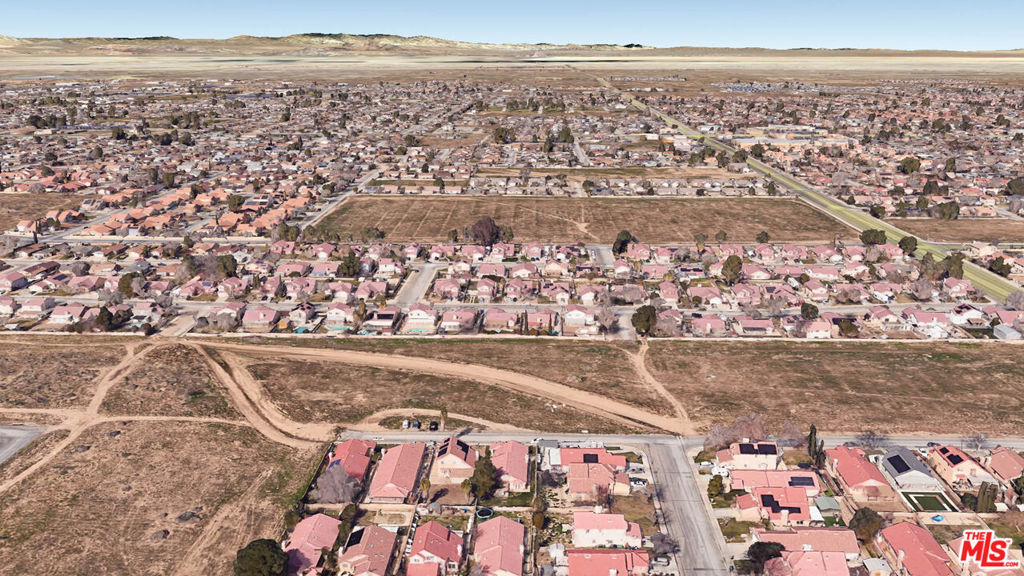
[(14, 438)]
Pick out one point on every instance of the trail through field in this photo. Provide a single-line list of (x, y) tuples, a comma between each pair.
[(639, 361), (515, 381), (250, 399)]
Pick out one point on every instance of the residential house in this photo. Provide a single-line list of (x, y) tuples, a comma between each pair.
[(436, 551), (340, 316), (454, 462), (260, 318), (458, 321), (305, 546), (421, 319), (751, 456), (512, 460), (747, 480), (592, 530), (1006, 464), (498, 320), (368, 552), (860, 479), (382, 320), (786, 506), (354, 456), (588, 480), (912, 550), (499, 547), (607, 562), (802, 562), (958, 469), (906, 471), (812, 538), (395, 480)]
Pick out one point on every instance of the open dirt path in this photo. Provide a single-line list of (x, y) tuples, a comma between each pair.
[(250, 399), (515, 381), (639, 362)]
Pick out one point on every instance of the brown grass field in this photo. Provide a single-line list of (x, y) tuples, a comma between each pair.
[(94, 511), (314, 391), (888, 387), (595, 367), (966, 230), (173, 381), (571, 220), (15, 207), (53, 375)]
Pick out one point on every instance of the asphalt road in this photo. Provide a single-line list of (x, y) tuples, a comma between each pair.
[(14, 438)]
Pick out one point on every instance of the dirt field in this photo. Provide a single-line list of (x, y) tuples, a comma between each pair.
[(983, 229), (51, 375), (314, 391), (852, 387), (105, 503), (173, 381), (571, 220), (15, 207), (30, 453), (594, 367)]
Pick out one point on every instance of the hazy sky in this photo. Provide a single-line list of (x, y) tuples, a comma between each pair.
[(907, 24)]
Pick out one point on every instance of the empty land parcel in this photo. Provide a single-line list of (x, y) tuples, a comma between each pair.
[(149, 498), (17, 207), (963, 230), (843, 386), (839, 386), (591, 220)]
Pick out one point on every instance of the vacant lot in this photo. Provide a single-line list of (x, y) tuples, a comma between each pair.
[(44, 374), (336, 392), (592, 366), (593, 220), (107, 501), (15, 207), (983, 229), (888, 387), (171, 381)]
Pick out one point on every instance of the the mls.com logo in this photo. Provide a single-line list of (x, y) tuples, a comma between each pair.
[(983, 547)]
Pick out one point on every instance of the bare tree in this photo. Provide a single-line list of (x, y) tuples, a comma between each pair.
[(872, 439), (1016, 300), (922, 289), (109, 297), (335, 486), (791, 434), (664, 544), (606, 319), (80, 268), (976, 441)]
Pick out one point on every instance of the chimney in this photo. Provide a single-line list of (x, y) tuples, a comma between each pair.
[(785, 516)]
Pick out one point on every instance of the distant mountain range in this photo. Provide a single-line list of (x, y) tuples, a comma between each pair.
[(319, 44)]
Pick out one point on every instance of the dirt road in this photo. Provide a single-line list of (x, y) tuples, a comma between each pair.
[(515, 381)]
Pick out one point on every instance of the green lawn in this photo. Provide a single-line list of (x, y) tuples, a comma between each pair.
[(929, 502)]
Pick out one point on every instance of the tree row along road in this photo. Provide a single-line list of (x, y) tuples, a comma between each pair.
[(991, 283)]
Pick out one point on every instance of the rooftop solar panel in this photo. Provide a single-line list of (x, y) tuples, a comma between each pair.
[(747, 449), (955, 459), (801, 481), (590, 458), (898, 464)]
